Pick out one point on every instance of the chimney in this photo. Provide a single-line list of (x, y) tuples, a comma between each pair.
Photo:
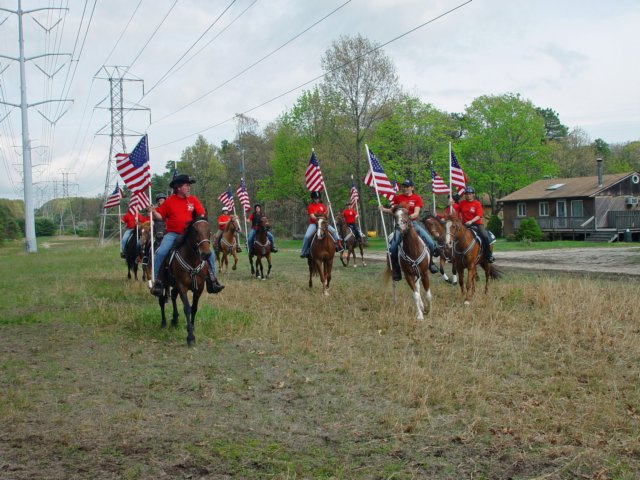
[(599, 160)]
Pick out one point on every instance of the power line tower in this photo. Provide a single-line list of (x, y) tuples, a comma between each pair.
[(66, 203), (116, 75), (29, 215)]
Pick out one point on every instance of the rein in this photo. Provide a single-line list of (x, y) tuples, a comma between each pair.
[(414, 263)]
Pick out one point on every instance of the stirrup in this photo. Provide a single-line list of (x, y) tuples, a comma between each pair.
[(157, 289)]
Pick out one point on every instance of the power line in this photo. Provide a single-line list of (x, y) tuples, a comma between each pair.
[(123, 32), (253, 64), (378, 47)]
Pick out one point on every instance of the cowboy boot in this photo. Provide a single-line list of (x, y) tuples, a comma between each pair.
[(158, 288), (274, 249), (396, 272), (213, 286), (339, 247)]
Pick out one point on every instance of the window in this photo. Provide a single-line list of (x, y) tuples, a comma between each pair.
[(555, 186), (576, 209), (522, 209), (543, 209)]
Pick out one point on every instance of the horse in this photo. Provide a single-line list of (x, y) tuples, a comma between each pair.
[(186, 268), (144, 258), (414, 258), (350, 243), (131, 254), (321, 253), (228, 244), (435, 227), (261, 249), (467, 254)]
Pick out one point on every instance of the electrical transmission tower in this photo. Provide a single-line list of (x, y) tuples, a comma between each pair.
[(66, 203), (29, 215), (116, 76)]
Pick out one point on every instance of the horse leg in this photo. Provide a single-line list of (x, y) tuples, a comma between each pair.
[(311, 267), (194, 306), (174, 297), (487, 273), (269, 265), (427, 290), (161, 301), (328, 266), (235, 258), (187, 313), (251, 263), (362, 255), (470, 280), (342, 257)]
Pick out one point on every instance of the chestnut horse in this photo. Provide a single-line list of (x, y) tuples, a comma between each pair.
[(350, 243), (321, 253), (185, 269), (228, 245), (435, 227), (467, 254), (261, 249), (414, 259)]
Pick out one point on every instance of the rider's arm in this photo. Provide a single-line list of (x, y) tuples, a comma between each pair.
[(415, 214)]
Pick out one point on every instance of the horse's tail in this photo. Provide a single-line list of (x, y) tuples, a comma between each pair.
[(495, 273)]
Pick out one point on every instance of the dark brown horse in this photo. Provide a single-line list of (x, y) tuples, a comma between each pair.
[(467, 254), (435, 227), (261, 249), (185, 269), (350, 243), (131, 254), (228, 245), (414, 259), (321, 253)]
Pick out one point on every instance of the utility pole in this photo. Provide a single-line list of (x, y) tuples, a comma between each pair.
[(116, 75), (29, 216)]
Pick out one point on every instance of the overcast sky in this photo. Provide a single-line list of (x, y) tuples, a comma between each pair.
[(578, 57)]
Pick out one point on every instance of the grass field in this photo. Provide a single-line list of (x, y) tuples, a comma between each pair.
[(537, 379)]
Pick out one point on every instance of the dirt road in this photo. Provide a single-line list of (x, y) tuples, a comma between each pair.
[(618, 260)]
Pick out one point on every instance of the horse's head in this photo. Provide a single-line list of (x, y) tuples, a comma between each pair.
[(403, 221), (323, 227), (452, 228), (435, 227), (234, 224), (264, 223), (198, 234), (145, 233)]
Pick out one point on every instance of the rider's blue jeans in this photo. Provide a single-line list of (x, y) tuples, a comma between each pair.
[(311, 229)]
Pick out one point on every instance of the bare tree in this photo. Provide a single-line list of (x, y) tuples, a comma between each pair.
[(362, 82)]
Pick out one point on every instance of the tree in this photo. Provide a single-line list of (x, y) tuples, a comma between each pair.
[(361, 83), (201, 161), (503, 146), (553, 129), (574, 155)]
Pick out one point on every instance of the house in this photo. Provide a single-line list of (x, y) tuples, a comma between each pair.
[(599, 208)]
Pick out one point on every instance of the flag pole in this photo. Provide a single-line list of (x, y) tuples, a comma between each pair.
[(450, 179), (375, 187), (244, 217), (357, 211), (120, 222), (235, 214), (151, 217), (328, 199), (433, 194)]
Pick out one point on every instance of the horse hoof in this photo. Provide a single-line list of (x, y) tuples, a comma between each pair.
[(467, 303), (191, 342)]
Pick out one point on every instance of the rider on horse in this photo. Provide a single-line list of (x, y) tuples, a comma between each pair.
[(254, 218), (350, 216), (316, 207), (470, 211), (131, 221), (414, 205), (223, 220), (178, 211)]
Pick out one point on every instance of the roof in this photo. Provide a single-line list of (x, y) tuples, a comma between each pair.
[(565, 187)]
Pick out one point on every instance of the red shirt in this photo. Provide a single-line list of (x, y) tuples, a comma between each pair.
[(223, 220), (468, 210), (130, 220), (349, 215), (177, 212), (452, 209), (412, 201), (316, 209)]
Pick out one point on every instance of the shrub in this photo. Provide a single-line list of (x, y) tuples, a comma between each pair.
[(495, 225), (9, 228), (45, 227), (529, 229)]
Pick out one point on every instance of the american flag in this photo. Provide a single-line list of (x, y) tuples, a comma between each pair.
[(243, 196), (226, 198), (382, 182), (313, 175), (457, 175), (138, 201), (394, 183), (134, 167), (113, 200), (437, 185), (355, 196)]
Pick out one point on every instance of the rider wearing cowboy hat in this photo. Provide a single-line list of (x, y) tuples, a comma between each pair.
[(470, 211), (177, 211), (414, 204)]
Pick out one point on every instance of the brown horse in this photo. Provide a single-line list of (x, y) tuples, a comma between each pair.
[(261, 249), (228, 245), (350, 243), (467, 254), (435, 227), (185, 269), (321, 253), (414, 259)]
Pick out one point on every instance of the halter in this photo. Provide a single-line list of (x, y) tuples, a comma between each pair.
[(201, 241)]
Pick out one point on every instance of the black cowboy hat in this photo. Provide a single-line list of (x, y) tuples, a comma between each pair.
[(407, 183), (181, 180)]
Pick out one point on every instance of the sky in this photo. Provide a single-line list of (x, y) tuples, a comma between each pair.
[(191, 59)]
